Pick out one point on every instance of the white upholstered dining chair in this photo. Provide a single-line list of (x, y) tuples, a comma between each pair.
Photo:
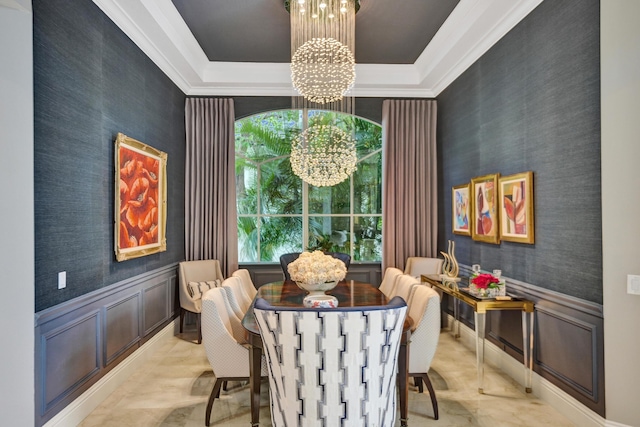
[(195, 278), (245, 276), (228, 358), (237, 289), (425, 313), (417, 266), (332, 367), (389, 280), (404, 288)]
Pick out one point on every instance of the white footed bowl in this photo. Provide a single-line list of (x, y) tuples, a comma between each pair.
[(317, 288)]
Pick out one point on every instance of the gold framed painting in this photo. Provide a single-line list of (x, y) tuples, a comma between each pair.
[(140, 199), (485, 222), (460, 210), (516, 208)]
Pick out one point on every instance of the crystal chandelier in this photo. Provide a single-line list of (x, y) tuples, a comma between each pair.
[(322, 72), (323, 155), (323, 66)]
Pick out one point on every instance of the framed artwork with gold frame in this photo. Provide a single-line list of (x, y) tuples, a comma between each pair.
[(516, 208), (460, 210), (140, 199), (485, 214)]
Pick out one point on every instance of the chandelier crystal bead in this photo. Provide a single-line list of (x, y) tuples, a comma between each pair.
[(323, 155)]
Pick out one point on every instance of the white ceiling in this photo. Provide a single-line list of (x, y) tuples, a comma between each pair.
[(159, 30)]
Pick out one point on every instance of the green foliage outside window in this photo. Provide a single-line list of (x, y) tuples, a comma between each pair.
[(278, 213)]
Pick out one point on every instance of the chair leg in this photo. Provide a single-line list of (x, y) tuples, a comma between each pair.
[(417, 381), (432, 394), (214, 393), (224, 386), (199, 328), (182, 313)]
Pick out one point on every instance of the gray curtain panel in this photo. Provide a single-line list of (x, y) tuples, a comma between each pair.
[(211, 230), (410, 209)]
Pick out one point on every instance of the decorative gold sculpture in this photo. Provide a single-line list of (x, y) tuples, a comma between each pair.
[(450, 267)]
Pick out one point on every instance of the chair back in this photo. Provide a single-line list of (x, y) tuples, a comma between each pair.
[(235, 315), (227, 356), (391, 275), (287, 259), (196, 271), (404, 287), (238, 297), (245, 276), (333, 367), (425, 313), (417, 266)]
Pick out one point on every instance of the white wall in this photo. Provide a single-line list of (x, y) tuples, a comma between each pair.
[(620, 64), (16, 218)]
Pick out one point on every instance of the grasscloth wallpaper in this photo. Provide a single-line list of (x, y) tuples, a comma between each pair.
[(533, 103), (91, 82)]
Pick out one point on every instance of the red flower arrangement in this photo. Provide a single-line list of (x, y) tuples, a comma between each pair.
[(484, 281)]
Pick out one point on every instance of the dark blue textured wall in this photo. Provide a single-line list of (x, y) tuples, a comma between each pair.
[(92, 82), (533, 103)]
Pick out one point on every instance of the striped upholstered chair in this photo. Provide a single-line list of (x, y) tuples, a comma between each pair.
[(332, 367)]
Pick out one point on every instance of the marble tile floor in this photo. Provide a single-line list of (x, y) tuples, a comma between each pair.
[(172, 388)]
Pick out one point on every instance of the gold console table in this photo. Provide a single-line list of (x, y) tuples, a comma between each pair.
[(480, 307)]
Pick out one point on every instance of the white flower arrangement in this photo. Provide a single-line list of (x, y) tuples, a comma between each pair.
[(316, 267)]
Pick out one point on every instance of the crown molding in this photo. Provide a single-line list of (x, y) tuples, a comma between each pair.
[(157, 28)]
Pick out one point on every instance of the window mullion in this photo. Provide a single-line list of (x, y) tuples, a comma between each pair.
[(259, 213), (351, 221)]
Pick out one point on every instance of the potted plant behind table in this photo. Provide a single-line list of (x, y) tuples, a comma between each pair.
[(321, 242), (487, 285), (336, 241)]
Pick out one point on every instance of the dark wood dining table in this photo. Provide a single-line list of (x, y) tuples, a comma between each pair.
[(350, 293)]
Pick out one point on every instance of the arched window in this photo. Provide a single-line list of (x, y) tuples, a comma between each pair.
[(279, 213)]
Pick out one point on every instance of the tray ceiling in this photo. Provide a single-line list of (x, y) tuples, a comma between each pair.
[(404, 48)]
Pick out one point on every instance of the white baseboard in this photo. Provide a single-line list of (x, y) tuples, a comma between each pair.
[(76, 411), (542, 388), (614, 424)]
